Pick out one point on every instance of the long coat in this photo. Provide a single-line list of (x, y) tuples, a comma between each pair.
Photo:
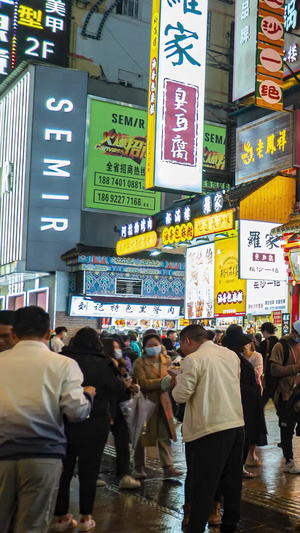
[(149, 380)]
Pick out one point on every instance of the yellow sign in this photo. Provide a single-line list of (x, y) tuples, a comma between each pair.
[(223, 221), (178, 233), (230, 291), (136, 244), (149, 181)]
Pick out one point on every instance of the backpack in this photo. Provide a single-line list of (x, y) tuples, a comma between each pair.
[(273, 382)]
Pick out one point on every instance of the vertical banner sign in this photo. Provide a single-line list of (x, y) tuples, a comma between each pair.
[(176, 95), (230, 291), (33, 29), (57, 154), (270, 44)]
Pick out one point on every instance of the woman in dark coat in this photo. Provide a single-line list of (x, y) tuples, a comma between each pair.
[(255, 425), (86, 441)]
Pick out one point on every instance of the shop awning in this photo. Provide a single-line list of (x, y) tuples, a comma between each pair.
[(293, 226)]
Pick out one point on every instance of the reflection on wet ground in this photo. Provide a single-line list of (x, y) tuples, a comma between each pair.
[(271, 502)]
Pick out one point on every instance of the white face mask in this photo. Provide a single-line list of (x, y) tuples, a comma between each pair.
[(118, 354), (152, 351)]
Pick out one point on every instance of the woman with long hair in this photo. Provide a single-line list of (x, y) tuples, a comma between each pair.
[(86, 441)]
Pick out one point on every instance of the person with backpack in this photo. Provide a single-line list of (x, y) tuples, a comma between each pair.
[(285, 366), (269, 383)]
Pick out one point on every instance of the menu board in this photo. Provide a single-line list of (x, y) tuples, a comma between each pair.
[(199, 282)]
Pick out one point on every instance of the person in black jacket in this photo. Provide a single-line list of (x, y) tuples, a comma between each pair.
[(255, 425), (86, 441), (270, 384)]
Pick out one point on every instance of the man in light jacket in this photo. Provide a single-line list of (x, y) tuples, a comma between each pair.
[(37, 389), (213, 426)]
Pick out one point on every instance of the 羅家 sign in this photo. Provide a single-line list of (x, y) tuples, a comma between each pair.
[(264, 146)]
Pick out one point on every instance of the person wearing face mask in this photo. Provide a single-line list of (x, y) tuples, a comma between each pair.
[(285, 365), (150, 371), (121, 352)]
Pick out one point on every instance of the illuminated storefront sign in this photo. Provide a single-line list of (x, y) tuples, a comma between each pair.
[(230, 291), (116, 155), (136, 228), (261, 256), (264, 146), (244, 48), (136, 244), (214, 146), (216, 223), (57, 153), (178, 233), (80, 306), (176, 95), (294, 260), (178, 215), (270, 44), (33, 29), (199, 281), (291, 15), (263, 297)]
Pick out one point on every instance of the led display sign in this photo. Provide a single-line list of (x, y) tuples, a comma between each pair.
[(136, 244), (176, 95), (33, 30), (216, 223)]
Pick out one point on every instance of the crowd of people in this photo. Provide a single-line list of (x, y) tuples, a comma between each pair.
[(60, 402)]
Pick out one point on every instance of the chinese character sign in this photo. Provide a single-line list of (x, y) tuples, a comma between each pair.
[(33, 30), (269, 72), (264, 146), (261, 256), (244, 48), (216, 223), (199, 282), (230, 291), (115, 175), (80, 306), (176, 95), (264, 297)]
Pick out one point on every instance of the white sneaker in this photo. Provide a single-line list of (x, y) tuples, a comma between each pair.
[(86, 525), (139, 474), (64, 525), (128, 482), (290, 468)]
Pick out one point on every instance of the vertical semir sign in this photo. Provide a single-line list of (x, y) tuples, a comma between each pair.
[(270, 44), (34, 29), (57, 153), (176, 95)]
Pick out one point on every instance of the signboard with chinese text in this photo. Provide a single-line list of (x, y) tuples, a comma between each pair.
[(144, 225), (277, 317), (176, 95), (136, 244), (116, 154), (264, 146), (264, 297), (33, 30), (199, 282), (294, 260), (244, 48), (261, 256), (80, 306), (230, 291), (269, 71), (286, 323), (291, 19), (178, 233), (216, 223)]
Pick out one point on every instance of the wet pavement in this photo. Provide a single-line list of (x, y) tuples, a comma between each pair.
[(271, 501)]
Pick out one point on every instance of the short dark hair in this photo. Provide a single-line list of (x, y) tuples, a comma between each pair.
[(268, 327), (60, 329), (7, 318), (210, 334), (31, 322), (194, 332), (150, 336), (125, 337), (132, 335), (170, 332), (87, 338), (168, 344)]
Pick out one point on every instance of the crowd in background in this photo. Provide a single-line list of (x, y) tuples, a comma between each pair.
[(217, 383)]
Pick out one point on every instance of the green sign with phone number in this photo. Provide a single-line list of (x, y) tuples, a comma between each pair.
[(115, 179)]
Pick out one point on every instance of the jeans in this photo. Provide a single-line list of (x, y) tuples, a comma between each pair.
[(287, 428)]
